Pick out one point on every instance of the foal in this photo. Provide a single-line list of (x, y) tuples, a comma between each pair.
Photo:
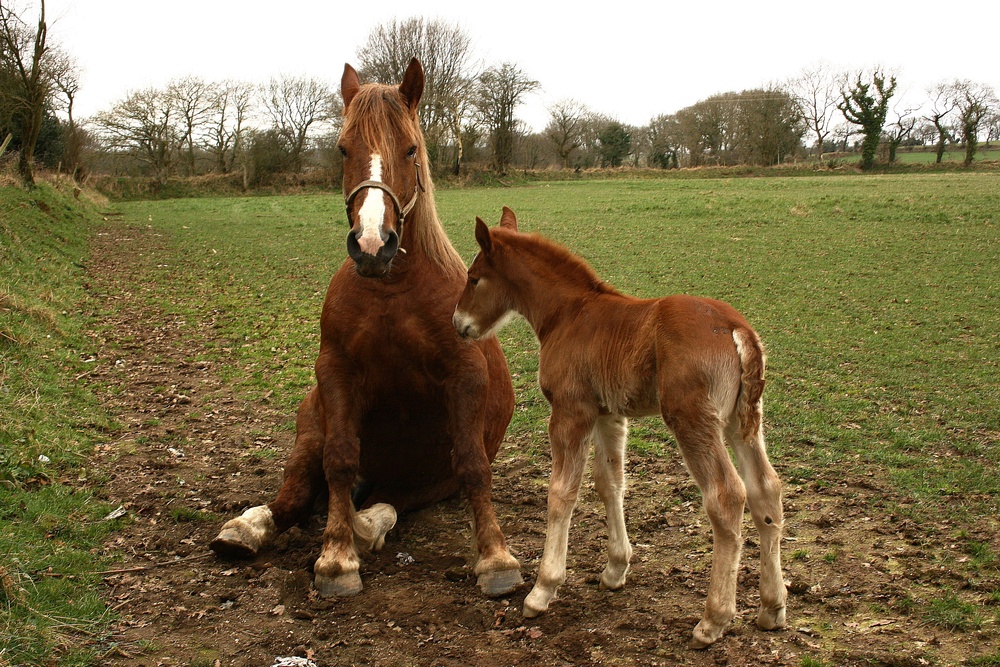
[(605, 357)]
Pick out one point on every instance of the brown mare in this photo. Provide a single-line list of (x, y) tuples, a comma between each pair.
[(606, 357), (403, 410)]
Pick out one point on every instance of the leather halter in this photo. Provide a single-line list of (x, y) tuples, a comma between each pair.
[(402, 211)]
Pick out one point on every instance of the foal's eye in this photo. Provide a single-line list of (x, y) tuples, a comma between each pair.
[(412, 152), (473, 281)]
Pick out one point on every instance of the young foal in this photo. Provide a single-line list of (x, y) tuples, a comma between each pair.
[(605, 357)]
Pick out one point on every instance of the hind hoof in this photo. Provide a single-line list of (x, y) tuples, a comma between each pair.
[(340, 586), (499, 582), (229, 545)]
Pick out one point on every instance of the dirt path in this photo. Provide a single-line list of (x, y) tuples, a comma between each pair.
[(191, 454)]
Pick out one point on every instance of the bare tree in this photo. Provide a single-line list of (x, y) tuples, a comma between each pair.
[(230, 109), (501, 90), (816, 91), (445, 53), (866, 105), (295, 105), (899, 129), (565, 128), (942, 104), (142, 125), (974, 103), (27, 83), (66, 80), (192, 98)]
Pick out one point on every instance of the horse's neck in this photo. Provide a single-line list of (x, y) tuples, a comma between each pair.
[(550, 300), (425, 242)]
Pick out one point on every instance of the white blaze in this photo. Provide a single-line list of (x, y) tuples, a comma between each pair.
[(372, 212)]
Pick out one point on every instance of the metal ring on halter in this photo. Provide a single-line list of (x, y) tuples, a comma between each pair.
[(403, 211)]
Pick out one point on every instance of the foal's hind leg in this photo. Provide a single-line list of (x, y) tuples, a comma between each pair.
[(764, 500), (699, 436), (610, 434), (245, 535)]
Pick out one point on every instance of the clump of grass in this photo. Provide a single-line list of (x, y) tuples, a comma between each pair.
[(954, 614)]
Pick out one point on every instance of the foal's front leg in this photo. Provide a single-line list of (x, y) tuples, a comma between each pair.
[(569, 434)]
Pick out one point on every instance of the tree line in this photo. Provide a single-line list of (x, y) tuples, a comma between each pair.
[(289, 124)]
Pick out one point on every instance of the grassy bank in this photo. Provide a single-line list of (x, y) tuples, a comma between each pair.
[(50, 525)]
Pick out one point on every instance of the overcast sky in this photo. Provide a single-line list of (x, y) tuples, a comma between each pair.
[(629, 60)]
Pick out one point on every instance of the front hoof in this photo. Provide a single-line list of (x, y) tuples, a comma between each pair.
[(535, 604), (342, 585), (499, 582), (612, 582), (771, 619)]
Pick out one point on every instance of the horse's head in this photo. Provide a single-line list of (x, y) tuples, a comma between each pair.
[(486, 304), (383, 152)]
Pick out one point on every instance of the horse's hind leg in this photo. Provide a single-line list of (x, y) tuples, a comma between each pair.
[(699, 436), (610, 433), (244, 536), (764, 500)]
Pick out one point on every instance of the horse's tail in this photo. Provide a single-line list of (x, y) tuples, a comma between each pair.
[(749, 406)]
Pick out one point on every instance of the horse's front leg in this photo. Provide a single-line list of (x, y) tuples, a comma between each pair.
[(497, 571), (569, 435), (347, 532)]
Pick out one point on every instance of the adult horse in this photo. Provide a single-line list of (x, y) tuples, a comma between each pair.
[(404, 412), (604, 357)]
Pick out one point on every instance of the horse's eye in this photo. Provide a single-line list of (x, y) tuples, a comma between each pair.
[(473, 281), (343, 151), (412, 152)]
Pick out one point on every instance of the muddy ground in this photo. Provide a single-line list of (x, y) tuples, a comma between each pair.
[(191, 454)]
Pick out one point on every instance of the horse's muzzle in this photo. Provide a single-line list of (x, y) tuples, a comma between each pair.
[(377, 265)]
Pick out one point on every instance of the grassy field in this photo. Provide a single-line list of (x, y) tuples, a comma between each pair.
[(877, 298), (951, 155)]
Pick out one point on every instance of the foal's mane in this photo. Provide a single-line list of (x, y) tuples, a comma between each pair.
[(548, 257), (385, 123)]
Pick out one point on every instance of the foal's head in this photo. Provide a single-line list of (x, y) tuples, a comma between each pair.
[(486, 303), (383, 150)]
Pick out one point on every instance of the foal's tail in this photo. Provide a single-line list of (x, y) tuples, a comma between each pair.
[(752, 360)]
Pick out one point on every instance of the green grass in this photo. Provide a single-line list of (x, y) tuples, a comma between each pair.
[(950, 155), (50, 605), (877, 298)]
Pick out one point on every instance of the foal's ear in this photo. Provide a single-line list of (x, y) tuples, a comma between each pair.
[(483, 236), (349, 85), (508, 220), (413, 84)]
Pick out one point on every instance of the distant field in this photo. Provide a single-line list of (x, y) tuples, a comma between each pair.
[(928, 157)]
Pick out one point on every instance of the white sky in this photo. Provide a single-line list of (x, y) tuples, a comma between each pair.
[(630, 60)]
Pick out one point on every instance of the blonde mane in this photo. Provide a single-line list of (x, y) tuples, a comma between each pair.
[(382, 118)]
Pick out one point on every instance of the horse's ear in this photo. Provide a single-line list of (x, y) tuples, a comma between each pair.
[(349, 85), (483, 236), (412, 87), (508, 220)]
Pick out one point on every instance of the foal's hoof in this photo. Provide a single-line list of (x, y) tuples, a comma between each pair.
[(771, 619), (703, 636), (499, 582), (342, 585)]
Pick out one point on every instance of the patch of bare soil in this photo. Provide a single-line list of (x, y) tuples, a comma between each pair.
[(190, 448)]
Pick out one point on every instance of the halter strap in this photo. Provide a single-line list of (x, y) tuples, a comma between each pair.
[(402, 211)]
